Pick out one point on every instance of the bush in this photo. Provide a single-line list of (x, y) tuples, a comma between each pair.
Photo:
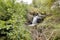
[(12, 18)]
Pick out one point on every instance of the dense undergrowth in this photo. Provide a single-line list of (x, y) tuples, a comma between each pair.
[(13, 17), (51, 24)]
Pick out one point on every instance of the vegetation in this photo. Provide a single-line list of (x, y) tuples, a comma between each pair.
[(51, 8), (13, 18)]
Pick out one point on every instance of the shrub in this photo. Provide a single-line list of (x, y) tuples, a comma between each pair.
[(12, 18)]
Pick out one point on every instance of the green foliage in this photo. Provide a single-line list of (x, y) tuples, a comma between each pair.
[(12, 18), (6, 10)]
